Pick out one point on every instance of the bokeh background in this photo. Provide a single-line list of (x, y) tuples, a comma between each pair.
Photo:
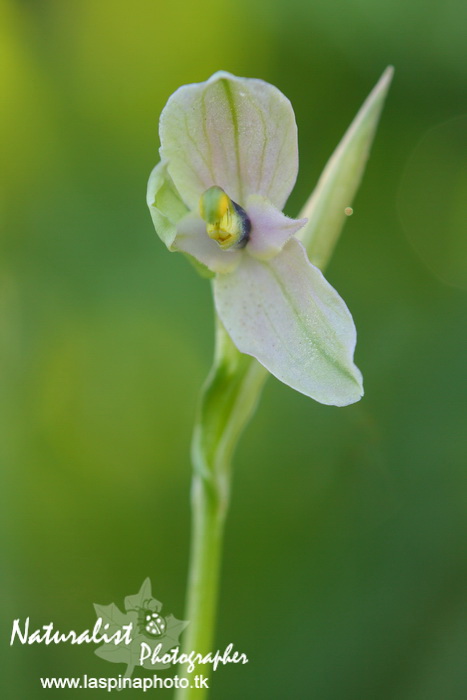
[(344, 570)]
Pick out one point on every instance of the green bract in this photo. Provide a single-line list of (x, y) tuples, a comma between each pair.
[(239, 135)]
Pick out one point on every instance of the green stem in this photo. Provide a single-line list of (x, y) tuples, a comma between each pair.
[(227, 403)]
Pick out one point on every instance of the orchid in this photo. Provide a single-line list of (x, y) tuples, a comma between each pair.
[(229, 160)]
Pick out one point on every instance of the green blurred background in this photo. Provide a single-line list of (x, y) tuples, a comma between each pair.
[(344, 569)]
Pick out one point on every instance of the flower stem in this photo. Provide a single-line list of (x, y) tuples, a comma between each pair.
[(228, 401)]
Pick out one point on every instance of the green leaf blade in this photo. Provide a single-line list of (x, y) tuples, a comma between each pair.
[(340, 179)]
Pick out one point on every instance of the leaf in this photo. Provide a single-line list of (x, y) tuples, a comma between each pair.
[(174, 629), (115, 654), (112, 616), (170, 640), (129, 654), (339, 181), (142, 598)]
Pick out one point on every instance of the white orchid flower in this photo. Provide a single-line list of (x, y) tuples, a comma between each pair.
[(229, 160)]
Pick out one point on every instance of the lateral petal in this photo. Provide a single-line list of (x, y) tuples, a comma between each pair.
[(165, 204), (270, 228)]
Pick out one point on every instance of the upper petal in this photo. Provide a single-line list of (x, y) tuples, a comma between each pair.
[(270, 228), (284, 313), (237, 133)]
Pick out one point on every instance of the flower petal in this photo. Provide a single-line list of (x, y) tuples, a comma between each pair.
[(237, 133), (192, 239), (165, 204), (270, 228), (284, 313)]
